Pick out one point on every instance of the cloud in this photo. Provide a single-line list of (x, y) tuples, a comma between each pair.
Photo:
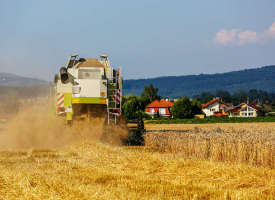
[(239, 37), (270, 33)]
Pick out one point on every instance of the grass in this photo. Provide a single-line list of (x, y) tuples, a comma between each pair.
[(212, 120)]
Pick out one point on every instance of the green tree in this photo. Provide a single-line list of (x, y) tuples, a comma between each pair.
[(196, 106), (224, 95), (263, 96), (182, 108), (149, 94), (253, 95), (131, 107), (239, 97), (204, 97)]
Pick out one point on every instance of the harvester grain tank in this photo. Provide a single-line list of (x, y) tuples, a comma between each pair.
[(88, 88)]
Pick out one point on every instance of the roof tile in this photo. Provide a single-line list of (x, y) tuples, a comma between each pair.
[(213, 101), (160, 104)]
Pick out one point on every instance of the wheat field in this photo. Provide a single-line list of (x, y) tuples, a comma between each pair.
[(42, 159), (254, 146), (92, 170)]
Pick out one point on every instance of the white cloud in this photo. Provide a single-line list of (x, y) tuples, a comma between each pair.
[(240, 37), (225, 37), (270, 32), (247, 37)]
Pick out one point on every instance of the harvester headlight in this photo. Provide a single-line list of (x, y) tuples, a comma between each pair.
[(76, 90)]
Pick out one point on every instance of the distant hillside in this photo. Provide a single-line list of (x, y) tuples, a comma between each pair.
[(7, 79), (176, 86)]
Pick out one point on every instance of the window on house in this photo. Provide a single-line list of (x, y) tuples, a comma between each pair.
[(162, 111), (244, 114), (152, 110)]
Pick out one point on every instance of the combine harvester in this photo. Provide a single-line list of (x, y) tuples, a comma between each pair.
[(88, 88)]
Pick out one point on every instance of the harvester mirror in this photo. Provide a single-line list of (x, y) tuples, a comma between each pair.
[(81, 60), (64, 74)]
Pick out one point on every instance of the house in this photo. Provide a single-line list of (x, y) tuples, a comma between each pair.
[(245, 110), (215, 107), (161, 108)]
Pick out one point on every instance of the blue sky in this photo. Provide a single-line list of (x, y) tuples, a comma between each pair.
[(147, 38)]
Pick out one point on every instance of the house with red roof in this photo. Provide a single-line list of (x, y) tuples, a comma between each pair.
[(161, 108), (245, 110), (215, 107)]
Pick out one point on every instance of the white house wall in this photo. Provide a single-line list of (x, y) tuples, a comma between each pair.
[(211, 109), (162, 112)]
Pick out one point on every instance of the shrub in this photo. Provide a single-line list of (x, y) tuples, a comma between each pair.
[(182, 108)]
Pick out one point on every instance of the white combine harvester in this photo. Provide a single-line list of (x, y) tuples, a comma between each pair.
[(88, 88)]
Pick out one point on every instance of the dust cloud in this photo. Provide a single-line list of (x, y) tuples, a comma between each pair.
[(39, 127)]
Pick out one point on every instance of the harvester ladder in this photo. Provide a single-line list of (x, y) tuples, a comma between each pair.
[(114, 100)]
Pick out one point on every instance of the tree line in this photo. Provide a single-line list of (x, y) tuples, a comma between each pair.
[(253, 96), (133, 107)]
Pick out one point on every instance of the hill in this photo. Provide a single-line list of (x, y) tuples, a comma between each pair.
[(7, 79), (176, 86)]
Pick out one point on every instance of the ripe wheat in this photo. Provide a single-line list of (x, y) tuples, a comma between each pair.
[(235, 145)]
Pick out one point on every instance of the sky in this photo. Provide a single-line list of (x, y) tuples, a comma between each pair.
[(147, 38)]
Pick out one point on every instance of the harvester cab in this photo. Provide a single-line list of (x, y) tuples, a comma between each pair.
[(88, 88)]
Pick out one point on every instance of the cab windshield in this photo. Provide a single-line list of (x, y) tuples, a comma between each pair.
[(89, 74)]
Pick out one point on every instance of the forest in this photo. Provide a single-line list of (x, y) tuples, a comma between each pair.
[(252, 96), (179, 86)]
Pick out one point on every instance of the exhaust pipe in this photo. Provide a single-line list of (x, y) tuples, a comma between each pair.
[(64, 74)]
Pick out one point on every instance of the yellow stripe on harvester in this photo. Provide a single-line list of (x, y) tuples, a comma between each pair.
[(88, 100)]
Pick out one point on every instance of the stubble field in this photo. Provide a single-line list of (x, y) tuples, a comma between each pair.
[(40, 158)]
